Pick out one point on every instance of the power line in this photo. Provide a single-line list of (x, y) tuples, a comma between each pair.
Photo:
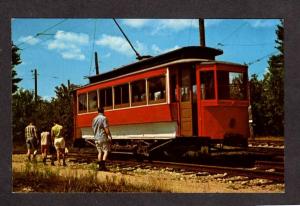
[(257, 44), (35, 44), (259, 59), (41, 33), (228, 36)]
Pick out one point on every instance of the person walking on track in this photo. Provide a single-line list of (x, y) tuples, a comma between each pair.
[(59, 143), (45, 142), (31, 140), (102, 137)]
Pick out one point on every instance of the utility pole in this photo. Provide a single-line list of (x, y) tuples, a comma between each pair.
[(202, 32), (96, 63), (35, 85), (251, 131)]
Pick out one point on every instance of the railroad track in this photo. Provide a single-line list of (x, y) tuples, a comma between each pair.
[(266, 143), (229, 171), (270, 170), (270, 165), (266, 151), (273, 171)]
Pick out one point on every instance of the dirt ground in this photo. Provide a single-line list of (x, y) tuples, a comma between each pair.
[(172, 181)]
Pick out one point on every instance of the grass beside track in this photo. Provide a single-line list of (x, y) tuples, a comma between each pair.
[(34, 178)]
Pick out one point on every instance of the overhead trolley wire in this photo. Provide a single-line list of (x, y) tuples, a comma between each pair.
[(256, 44), (259, 59), (36, 43), (228, 36), (42, 33)]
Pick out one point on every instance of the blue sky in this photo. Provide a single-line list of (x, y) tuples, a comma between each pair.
[(63, 49)]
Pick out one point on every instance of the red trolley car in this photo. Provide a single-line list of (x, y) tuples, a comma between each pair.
[(181, 98)]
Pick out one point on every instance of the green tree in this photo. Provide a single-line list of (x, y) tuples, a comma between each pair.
[(43, 113), (274, 89), (15, 60), (267, 95), (257, 101), (63, 109), (23, 108)]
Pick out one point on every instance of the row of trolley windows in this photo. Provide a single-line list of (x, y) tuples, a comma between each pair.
[(231, 85), (118, 96)]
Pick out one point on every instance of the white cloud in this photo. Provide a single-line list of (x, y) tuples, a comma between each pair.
[(174, 24), (115, 43), (80, 38), (141, 48), (159, 25), (136, 23), (69, 44), (73, 55), (47, 98), (180, 24), (158, 50), (55, 44), (29, 40), (212, 22), (120, 45), (107, 55), (172, 48), (177, 24), (259, 23)]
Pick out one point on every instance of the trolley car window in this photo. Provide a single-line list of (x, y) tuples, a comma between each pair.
[(207, 85), (173, 90), (232, 85), (121, 95), (185, 85), (157, 89), (92, 101), (106, 98), (82, 104), (138, 92)]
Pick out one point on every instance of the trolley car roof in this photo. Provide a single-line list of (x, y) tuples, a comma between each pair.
[(191, 52)]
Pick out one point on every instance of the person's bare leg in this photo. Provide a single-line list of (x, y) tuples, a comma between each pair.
[(104, 160), (105, 155), (46, 152), (63, 156), (44, 155), (52, 156), (28, 154), (100, 166), (58, 157), (99, 156)]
